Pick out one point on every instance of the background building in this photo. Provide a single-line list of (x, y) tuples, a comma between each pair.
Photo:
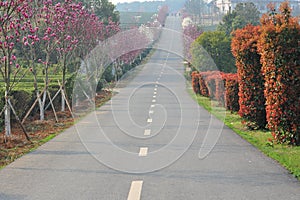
[(228, 5)]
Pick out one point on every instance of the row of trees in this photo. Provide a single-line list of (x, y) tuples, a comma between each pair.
[(42, 37), (43, 33), (243, 14), (266, 89)]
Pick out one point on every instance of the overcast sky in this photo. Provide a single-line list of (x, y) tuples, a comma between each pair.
[(122, 1)]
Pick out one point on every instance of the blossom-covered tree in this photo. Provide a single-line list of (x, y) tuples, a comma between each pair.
[(190, 33), (162, 14), (14, 21), (67, 15)]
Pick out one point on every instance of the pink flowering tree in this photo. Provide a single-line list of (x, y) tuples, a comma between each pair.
[(190, 33), (14, 21), (90, 30), (92, 33), (78, 32), (128, 49), (67, 15), (48, 44), (87, 29), (31, 44), (162, 14), (53, 27)]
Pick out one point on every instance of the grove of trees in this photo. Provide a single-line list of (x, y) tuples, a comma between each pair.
[(44, 41), (216, 44), (243, 14), (36, 35)]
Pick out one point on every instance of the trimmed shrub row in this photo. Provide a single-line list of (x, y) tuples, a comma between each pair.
[(267, 58), (218, 86), (280, 53), (195, 82), (251, 80)]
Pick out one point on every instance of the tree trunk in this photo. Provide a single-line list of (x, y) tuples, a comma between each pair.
[(42, 111), (38, 94), (42, 106), (43, 102), (7, 118), (63, 101)]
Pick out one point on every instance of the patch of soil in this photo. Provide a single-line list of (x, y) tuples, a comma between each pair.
[(16, 145)]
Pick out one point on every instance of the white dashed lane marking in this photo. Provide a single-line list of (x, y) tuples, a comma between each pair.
[(147, 132), (143, 151), (135, 190), (149, 120)]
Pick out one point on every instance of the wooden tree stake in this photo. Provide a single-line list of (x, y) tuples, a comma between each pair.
[(18, 120), (49, 96)]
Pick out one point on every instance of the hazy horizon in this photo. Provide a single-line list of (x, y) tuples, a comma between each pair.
[(129, 1)]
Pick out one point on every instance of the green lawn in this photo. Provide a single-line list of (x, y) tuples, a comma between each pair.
[(26, 83), (286, 155)]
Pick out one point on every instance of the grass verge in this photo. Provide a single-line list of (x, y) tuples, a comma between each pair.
[(288, 156)]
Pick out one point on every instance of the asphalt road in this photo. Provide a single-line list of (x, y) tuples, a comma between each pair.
[(151, 141)]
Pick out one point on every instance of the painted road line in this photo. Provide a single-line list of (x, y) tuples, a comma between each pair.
[(155, 93), (143, 151), (149, 120), (153, 101), (135, 190), (157, 82), (85, 122), (152, 106), (156, 86), (154, 96), (151, 111), (101, 112), (147, 132), (155, 89)]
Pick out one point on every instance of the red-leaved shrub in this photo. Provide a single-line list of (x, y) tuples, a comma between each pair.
[(280, 53), (231, 94), (210, 81), (251, 81), (219, 86), (195, 82), (203, 87)]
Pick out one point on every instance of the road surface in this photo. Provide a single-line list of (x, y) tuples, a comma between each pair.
[(145, 144)]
